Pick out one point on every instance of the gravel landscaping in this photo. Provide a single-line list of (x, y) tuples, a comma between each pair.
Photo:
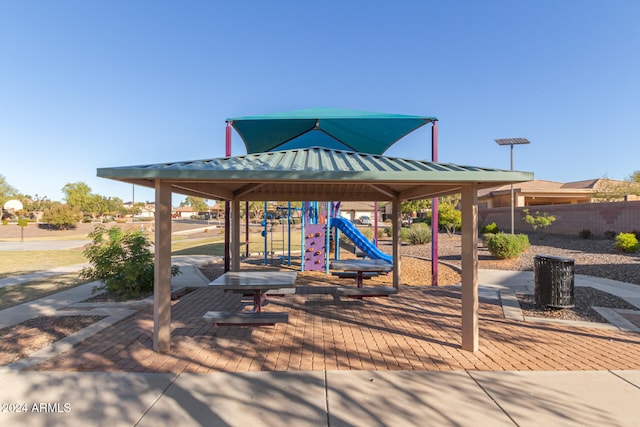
[(593, 257)]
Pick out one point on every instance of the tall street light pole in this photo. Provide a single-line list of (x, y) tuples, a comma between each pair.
[(512, 142)]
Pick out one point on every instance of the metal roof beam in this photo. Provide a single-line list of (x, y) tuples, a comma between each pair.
[(429, 191), (383, 189), (249, 188), (208, 191)]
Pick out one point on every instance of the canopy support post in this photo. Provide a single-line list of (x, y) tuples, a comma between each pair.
[(396, 224), (227, 206), (235, 238), (162, 269), (470, 328), (434, 211)]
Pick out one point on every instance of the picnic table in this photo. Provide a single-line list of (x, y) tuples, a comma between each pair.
[(360, 266), (256, 283)]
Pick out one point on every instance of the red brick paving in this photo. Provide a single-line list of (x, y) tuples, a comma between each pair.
[(418, 329)]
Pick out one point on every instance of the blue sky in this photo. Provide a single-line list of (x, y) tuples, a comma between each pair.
[(85, 85)]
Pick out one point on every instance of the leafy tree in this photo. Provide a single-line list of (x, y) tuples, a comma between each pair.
[(7, 191), (610, 191), (256, 209), (448, 215), (197, 203), (115, 206), (136, 209), (413, 207), (100, 206), (78, 195), (537, 220), (122, 261), (35, 204), (61, 215)]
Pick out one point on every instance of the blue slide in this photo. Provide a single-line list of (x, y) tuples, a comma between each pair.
[(359, 239)]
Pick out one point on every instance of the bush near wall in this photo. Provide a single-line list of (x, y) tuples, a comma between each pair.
[(508, 246), (626, 242), (419, 234), (571, 219)]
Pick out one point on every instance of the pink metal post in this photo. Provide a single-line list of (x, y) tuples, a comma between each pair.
[(434, 211), (375, 224), (246, 227), (227, 209)]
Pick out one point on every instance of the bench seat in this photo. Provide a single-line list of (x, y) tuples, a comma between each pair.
[(271, 292), (243, 318), (370, 291), (353, 274)]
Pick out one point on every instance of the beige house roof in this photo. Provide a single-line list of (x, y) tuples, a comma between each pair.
[(541, 186), (542, 192)]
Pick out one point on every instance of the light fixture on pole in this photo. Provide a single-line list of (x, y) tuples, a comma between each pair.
[(512, 142)]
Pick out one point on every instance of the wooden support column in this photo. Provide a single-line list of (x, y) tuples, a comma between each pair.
[(235, 238), (396, 226), (470, 329), (162, 269)]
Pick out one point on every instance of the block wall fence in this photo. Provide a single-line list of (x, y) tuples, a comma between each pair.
[(571, 219)]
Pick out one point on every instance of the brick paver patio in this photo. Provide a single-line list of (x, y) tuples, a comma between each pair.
[(418, 329)]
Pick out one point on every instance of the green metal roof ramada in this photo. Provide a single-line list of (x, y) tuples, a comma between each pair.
[(353, 130), (325, 173), (318, 173)]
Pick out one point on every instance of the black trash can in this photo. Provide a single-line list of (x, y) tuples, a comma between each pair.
[(553, 281)]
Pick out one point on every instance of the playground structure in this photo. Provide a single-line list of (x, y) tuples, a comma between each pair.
[(321, 226), (286, 221)]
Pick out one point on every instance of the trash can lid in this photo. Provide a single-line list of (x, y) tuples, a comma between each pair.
[(554, 258)]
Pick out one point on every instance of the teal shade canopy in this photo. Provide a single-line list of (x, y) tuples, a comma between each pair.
[(358, 131)]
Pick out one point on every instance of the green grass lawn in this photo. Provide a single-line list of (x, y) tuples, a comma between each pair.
[(15, 263), (215, 246), (29, 291), (23, 262)]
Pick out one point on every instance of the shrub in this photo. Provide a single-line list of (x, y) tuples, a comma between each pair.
[(506, 246), (419, 234), (449, 217), (586, 234), (421, 220), (61, 216), (489, 229), (368, 233), (538, 220), (486, 237), (626, 242), (122, 261), (610, 234)]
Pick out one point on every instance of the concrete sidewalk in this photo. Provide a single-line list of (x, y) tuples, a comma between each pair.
[(322, 398), (49, 306)]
